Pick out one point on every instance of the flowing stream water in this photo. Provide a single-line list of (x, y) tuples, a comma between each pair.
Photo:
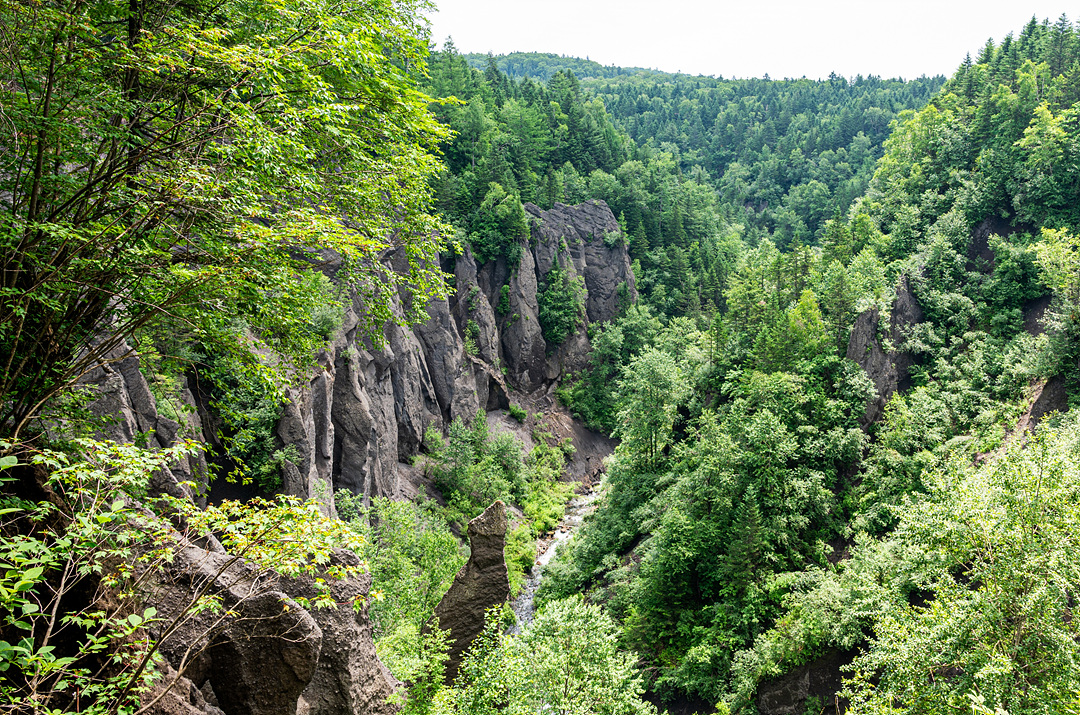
[(576, 510)]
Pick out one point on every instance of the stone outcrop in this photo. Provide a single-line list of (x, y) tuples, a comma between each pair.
[(980, 256), (128, 413), (256, 661), (820, 679), (1034, 313), (585, 241), (481, 583), (349, 677), (364, 410), (881, 353), (1045, 397), (262, 653), (174, 694), (580, 234)]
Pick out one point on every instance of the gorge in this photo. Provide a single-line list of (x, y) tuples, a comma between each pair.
[(316, 343)]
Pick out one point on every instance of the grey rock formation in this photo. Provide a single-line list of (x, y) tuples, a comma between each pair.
[(258, 658), (584, 229), (1035, 314), (883, 357), (524, 349), (480, 584), (353, 424), (128, 413), (174, 694), (1047, 397), (820, 679), (585, 241), (364, 410), (265, 653), (349, 678)]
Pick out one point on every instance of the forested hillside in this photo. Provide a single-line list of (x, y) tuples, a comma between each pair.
[(309, 334), (541, 66), (760, 519), (693, 166), (756, 139)]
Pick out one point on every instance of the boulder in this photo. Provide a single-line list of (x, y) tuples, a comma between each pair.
[(258, 654), (265, 653)]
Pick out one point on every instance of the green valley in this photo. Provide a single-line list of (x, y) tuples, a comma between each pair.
[(311, 331)]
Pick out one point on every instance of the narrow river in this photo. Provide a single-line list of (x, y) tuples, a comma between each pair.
[(576, 510)]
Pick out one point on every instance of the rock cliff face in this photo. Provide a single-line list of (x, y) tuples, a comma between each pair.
[(361, 415), (131, 415), (881, 353), (364, 411)]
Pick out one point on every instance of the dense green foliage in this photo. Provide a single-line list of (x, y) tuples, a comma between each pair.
[(172, 181), (475, 467), (179, 167), (742, 475), (995, 552), (694, 167), (172, 175), (412, 556), (562, 305), (785, 154), (565, 661), (729, 495)]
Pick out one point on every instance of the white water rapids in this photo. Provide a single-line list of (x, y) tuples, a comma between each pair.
[(576, 510)]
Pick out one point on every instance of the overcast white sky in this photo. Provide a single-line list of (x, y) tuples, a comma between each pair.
[(744, 38)]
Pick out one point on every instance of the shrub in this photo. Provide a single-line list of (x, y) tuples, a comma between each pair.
[(562, 306), (249, 409), (504, 300), (520, 551), (566, 661), (472, 332), (328, 313), (474, 468), (412, 556)]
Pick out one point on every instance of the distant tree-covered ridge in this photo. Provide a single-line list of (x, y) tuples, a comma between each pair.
[(693, 167), (757, 138), (543, 65)]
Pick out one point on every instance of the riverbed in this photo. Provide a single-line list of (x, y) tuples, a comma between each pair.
[(580, 506)]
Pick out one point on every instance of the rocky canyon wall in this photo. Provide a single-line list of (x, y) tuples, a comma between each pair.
[(364, 410)]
